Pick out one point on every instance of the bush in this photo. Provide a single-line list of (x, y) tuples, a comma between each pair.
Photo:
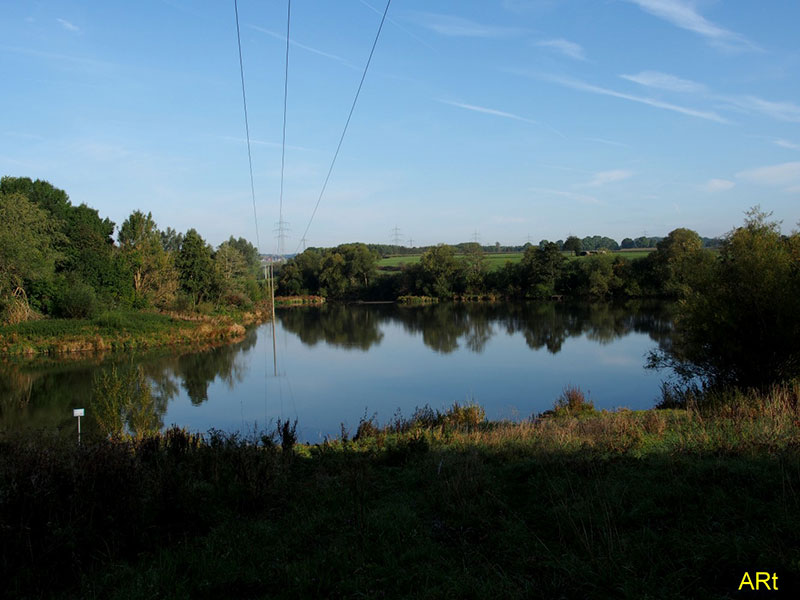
[(77, 301), (572, 403)]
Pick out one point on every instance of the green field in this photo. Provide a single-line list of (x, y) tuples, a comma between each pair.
[(496, 261)]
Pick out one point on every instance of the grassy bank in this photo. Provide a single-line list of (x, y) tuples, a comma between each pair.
[(575, 504), (124, 330)]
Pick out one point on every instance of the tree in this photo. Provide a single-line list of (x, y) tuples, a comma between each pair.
[(85, 248), (678, 258), (154, 277), (231, 267), (196, 267), (27, 238), (738, 323), (171, 240), (439, 269), (475, 267), (249, 254), (573, 244), (539, 269)]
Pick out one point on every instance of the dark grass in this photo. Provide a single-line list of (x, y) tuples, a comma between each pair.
[(577, 504)]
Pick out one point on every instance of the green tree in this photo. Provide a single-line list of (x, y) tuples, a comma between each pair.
[(475, 268), (439, 270), (196, 268), (85, 248), (28, 235), (678, 259), (231, 268), (154, 277), (171, 240), (738, 323), (539, 270), (573, 244)]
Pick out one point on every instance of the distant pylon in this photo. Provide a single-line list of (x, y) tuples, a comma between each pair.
[(475, 237), (396, 237), (281, 229)]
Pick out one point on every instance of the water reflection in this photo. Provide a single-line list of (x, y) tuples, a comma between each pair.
[(447, 327), (350, 327), (126, 395), (135, 394)]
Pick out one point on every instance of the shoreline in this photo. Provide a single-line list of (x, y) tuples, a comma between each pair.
[(118, 331)]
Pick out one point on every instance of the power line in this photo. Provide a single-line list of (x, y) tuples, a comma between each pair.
[(281, 235), (246, 124), (349, 116)]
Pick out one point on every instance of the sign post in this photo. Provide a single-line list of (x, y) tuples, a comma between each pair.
[(78, 412)]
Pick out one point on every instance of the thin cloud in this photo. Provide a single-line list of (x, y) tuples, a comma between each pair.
[(787, 144), (593, 89), (500, 113), (278, 36), (773, 175), (69, 26), (489, 111), (683, 14), (717, 185), (565, 47), (781, 111), (664, 81), (451, 26), (584, 198), (604, 177)]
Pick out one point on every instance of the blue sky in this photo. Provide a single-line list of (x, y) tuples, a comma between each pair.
[(512, 119)]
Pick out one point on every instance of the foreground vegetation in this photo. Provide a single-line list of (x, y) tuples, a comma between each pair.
[(576, 503)]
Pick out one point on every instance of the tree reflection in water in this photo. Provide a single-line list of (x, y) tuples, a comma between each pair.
[(445, 327), (352, 327), (40, 393)]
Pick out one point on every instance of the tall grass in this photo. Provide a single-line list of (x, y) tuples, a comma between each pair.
[(575, 503)]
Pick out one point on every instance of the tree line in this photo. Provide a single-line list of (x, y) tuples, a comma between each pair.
[(737, 323), (572, 243), (350, 271), (62, 260)]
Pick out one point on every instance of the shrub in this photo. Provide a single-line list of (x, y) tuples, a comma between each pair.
[(572, 403), (77, 301)]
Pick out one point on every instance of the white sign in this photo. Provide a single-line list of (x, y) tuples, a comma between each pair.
[(77, 412)]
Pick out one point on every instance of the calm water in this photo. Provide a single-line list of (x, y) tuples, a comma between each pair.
[(335, 363)]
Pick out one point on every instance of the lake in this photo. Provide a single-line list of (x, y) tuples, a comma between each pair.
[(337, 363)]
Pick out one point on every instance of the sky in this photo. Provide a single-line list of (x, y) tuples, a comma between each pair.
[(498, 120)]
